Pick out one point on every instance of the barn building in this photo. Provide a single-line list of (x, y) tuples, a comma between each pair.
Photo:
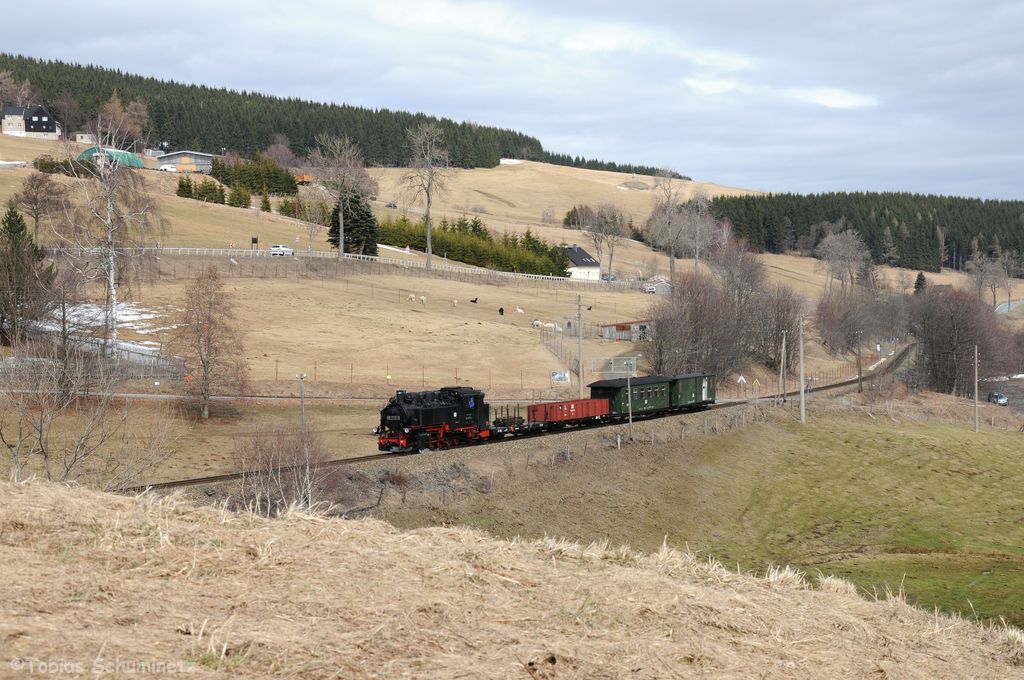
[(187, 161), (30, 121), (582, 264)]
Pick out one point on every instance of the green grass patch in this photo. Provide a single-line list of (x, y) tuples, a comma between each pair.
[(935, 508)]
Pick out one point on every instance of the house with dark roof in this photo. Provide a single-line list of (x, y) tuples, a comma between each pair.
[(582, 264), (29, 121)]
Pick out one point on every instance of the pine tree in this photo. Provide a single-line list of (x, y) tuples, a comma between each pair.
[(265, 201), (239, 197), (361, 229), (920, 283), (185, 187), (25, 280)]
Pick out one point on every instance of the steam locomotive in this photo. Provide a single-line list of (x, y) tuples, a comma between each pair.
[(457, 416)]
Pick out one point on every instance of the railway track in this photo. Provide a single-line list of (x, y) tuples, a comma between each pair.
[(884, 369)]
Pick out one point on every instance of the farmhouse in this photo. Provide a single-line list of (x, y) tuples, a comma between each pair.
[(30, 121), (187, 161), (582, 264)]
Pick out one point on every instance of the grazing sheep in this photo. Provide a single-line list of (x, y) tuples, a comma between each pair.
[(519, 310), (537, 323), (549, 326), (455, 303), (423, 300), (412, 297)]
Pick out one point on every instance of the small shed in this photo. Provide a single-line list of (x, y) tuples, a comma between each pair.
[(188, 161), (98, 155), (628, 331)]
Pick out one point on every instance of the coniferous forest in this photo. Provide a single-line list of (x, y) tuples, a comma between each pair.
[(212, 119), (916, 231)]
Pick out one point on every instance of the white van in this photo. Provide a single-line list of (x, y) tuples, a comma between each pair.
[(169, 167)]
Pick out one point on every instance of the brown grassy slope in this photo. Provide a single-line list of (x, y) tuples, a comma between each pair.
[(91, 578), (507, 198)]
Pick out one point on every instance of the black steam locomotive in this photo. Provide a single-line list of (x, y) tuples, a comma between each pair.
[(420, 421)]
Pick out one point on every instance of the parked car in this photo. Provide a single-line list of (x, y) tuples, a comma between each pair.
[(281, 250), (391, 205), (169, 167), (650, 288), (997, 398)]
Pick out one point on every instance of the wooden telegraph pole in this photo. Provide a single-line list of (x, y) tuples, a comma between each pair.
[(579, 335), (782, 371), (976, 388), (629, 396), (803, 404)]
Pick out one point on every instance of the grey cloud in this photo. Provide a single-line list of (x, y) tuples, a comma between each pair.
[(934, 89)]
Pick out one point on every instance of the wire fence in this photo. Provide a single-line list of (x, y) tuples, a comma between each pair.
[(324, 263)]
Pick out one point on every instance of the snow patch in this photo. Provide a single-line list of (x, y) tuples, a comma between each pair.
[(509, 161)]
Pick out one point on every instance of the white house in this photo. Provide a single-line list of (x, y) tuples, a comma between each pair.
[(582, 264)]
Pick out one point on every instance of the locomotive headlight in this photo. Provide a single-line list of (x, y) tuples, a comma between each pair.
[(407, 430)]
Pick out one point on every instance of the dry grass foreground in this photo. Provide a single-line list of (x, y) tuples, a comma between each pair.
[(97, 579)]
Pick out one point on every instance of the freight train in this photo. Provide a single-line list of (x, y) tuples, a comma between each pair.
[(458, 416)]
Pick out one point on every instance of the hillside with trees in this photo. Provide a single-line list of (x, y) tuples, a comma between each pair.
[(915, 231), (211, 119)]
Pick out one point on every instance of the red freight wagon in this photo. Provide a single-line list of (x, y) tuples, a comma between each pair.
[(567, 412)]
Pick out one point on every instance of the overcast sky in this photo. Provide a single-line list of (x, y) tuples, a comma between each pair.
[(781, 96)]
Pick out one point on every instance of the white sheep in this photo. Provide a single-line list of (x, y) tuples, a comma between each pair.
[(412, 297), (423, 300), (549, 326), (558, 328), (455, 303), (537, 323), (519, 310)]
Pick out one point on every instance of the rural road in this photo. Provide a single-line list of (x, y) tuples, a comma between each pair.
[(1006, 307)]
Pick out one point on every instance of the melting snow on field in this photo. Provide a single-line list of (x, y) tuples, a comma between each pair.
[(130, 316), (509, 161)]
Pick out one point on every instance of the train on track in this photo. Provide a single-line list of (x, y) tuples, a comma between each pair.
[(459, 416)]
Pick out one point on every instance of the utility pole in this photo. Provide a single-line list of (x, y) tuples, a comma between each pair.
[(579, 334), (307, 482), (782, 371), (975, 388), (860, 365), (629, 395), (803, 404)]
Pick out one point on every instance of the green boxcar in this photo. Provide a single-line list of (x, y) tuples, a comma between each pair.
[(653, 393), (693, 389)]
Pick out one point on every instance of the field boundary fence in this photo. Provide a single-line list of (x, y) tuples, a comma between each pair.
[(242, 262)]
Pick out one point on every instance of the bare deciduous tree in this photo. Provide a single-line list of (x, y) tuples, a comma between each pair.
[(699, 226), (607, 229), (39, 197), (844, 255), (48, 427), (110, 215), (428, 171), (208, 340), (337, 164), (275, 473), (665, 224)]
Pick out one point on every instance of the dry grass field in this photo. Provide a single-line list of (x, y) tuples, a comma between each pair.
[(96, 580), (508, 198)]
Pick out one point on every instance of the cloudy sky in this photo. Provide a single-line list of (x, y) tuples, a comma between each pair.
[(783, 96)]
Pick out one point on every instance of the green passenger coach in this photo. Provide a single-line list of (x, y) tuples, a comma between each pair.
[(656, 393)]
